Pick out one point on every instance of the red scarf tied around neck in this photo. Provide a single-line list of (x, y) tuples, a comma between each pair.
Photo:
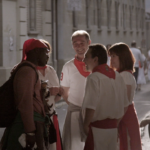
[(105, 69), (81, 67)]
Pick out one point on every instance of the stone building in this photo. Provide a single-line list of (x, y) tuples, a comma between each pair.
[(107, 21)]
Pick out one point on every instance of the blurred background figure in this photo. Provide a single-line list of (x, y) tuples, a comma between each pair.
[(138, 57), (142, 68), (108, 57), (148, 65)]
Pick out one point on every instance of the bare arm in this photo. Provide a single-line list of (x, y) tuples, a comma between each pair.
[(89, 113), (144, 122), (65, 93)]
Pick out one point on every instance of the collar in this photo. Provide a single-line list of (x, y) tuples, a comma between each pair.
[(106, 70), (41, 67)]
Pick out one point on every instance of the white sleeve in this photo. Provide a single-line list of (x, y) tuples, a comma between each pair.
[(126, 77), (141, 58), (64, 78), (91, 94)]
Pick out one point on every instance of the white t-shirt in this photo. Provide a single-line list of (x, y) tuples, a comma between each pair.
[(106, 96), (138, 56), (129, 80), (71, 78), (51, 76)]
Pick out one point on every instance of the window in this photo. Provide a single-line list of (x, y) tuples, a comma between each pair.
[(130, 17), (32, 15), (117, 14), (87, 13), (74, 19), (99, 14), (124, 16), (108, 13)]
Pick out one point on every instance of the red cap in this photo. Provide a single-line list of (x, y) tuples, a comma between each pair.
[(30, 45)]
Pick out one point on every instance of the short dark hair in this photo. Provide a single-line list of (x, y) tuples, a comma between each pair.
[(125, 55), (133, 44), (99, 50)]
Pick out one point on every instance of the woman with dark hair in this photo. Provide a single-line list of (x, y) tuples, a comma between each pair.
[(123, 60)]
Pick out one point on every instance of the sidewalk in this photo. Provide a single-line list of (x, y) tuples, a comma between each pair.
[(142, 105)]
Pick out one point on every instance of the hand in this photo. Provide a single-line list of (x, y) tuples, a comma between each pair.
[(144, 122), (86, 130), (43, 85), (54, 90), (30, 141), (61, 91)]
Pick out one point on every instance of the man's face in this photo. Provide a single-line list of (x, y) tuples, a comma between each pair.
[(43, 57), (89, 61), (80, 45)]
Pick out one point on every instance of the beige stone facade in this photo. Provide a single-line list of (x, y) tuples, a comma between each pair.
[(107, 21)]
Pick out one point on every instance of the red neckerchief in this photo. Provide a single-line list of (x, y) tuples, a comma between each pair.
[(41, 68), (106, 70), (81, 67)]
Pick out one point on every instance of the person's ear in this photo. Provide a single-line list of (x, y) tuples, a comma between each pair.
[(96, 59), (89, 42)]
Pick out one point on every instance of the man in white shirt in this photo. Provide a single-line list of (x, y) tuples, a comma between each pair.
[(138, 58), (105, 101), (73, 79)]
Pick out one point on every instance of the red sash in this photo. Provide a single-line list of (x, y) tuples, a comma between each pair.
[(103, 124), (130, 122), (106, 70), (56, 125), (81, 67)]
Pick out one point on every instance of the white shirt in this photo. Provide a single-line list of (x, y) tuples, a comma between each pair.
[(138, 56), (106, 96), (75, 81), (129, 80), (51, 76)]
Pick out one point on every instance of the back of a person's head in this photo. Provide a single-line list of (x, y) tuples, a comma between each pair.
[(99, 50), (133, 44), (81, 33), (125, 55)]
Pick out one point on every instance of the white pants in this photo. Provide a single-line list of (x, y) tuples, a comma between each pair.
[(76, 143), (75, 135), (104, 139)]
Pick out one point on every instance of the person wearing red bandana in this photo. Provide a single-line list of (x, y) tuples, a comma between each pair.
[(47, 73), (30, 119), (73, 79), (105, 101), (123, 61)]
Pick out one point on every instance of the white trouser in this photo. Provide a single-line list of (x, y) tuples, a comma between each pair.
[(105, 139)]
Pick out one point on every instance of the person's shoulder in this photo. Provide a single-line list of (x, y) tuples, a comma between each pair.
[(126, 75), (69, 63), (50, 68), (26, 67)]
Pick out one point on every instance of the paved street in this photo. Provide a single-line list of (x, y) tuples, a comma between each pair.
[(142, 105)]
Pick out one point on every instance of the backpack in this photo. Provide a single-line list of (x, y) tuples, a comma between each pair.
[(8, 110)]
